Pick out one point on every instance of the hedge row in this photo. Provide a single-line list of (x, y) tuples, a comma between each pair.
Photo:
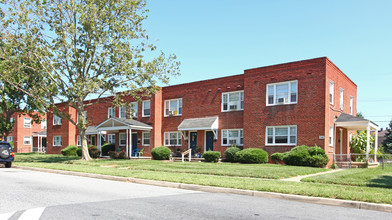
[(302, 156)]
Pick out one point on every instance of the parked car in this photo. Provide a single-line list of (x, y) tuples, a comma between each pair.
[(6, 154)]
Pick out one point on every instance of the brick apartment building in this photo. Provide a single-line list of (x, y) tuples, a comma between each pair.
[(309, 102), (26, 135)]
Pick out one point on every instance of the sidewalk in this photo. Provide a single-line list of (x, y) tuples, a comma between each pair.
[(298, 178)]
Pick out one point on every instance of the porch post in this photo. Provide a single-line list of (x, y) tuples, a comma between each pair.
[(375, 145), (130, 143), (99, 140), (367, 142), (127, 143), (38, 144)]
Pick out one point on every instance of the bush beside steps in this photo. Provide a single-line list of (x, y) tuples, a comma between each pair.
[(161, 153), (212, 156)]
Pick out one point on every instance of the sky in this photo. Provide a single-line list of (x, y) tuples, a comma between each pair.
[(223, 37)]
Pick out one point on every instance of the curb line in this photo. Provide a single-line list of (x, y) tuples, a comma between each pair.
[(213, 189)]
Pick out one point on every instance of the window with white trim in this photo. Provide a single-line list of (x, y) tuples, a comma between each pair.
[(43, 124), (78, 141), (232, 137), (331, 92), (341, 98), (122, 139), (173, 139), (330, 137), (351, 105), (134, 109), (57, 141), (233, 101), (112, 138), (146, 108), (282, 93), (56, 120), (10, 139), (146, 139), (27, 140), (111, 112), (173, 107), (27, 122), (122, 112), (281, 135)]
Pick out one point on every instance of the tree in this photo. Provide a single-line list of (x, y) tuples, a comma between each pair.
[(387, 143), (360, 115), (85, 48)]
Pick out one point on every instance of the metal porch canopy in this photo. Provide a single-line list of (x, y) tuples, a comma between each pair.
[(195, 124), (115, 124)]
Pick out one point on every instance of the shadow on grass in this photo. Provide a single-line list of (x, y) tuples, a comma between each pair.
[(42, 158), (384, 181)]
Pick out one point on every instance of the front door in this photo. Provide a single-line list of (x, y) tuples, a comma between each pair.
[(134, 141), (209, 141), (193, 141), (341, 143)]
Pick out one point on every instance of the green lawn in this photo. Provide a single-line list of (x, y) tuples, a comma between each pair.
[(261, 177)]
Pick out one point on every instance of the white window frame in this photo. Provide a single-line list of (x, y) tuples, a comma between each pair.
[(122, 137), (289, 102), (10, 139), (167, 138), (27, 122), (330, 135), (143, 105), (26, 140), (57, 141), (135, 106), (122, 110), (226, 135), (288, 135), (111, 112), (44, 124), (78, 141), (177, 110), (331, 92), (112, 137), (341, 98), (57, 120), (143, 139), (351, 105), (239, 104)]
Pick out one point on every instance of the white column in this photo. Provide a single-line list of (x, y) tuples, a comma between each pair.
[(367, 142), (99, 140), (127, 143), (38, 144), (130, 143), (375, 145)]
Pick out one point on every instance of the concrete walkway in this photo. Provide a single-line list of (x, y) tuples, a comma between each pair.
[(298, 178)]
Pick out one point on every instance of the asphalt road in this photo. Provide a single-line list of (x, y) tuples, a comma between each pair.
[(37, 195)]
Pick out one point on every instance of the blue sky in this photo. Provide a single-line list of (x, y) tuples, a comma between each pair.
[(221, 38)]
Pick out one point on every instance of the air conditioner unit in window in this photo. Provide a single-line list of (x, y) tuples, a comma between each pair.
[(171, 112), (282, 100)]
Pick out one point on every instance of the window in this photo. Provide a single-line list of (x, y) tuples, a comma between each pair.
[(123, 139), (134, 109), (112, 138), (27, 140), (56, 120), (330, 137), (331, 92), (281, 135), (57, 141), (78, 141), (282, 93), (10, 139), (92, 140), (232, 137), (233, 101), (146, 139), (122, 112), (111, 112), (351, 104), (146, 108), (341, 99), (173, 107), (43, 124), (173, 139), (27, 122)]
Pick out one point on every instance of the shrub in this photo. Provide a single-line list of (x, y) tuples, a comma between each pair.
[(106, 148), (277, 157), (252, 155), (230, 154), (306, 156), (79, 151), (118, 155), (93, 151), (71, 150), (211, 156), (161, 153)]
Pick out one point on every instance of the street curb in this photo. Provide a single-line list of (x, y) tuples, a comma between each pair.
[(213, 189)]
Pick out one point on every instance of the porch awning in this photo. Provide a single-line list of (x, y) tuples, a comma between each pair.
[(114, 124), (354, 123), (194, 124), (91, 130), (39, 134)]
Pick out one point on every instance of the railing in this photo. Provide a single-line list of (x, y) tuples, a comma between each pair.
[(189, 152), (361, 160)]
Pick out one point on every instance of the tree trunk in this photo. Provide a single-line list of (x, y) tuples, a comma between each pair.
[(83, 139)]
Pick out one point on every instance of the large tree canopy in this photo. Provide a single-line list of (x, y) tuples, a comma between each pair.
[(84, 48), (387, 143)]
